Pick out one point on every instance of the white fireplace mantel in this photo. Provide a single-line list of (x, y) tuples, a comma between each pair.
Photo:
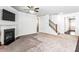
[(2, 28)]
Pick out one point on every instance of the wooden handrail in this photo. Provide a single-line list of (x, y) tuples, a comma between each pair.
[(51, 22), (56, 28), (53, 25)]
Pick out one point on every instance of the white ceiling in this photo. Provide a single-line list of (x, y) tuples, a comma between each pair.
[(43, 10)]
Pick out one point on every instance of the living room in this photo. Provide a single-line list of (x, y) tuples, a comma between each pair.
[(17, 22)]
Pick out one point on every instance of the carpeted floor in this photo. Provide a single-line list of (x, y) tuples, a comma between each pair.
[(43, 42)]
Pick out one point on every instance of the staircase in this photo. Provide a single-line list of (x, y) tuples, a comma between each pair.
[(53, 26)]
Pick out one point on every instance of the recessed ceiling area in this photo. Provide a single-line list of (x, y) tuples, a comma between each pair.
[(43, 10)]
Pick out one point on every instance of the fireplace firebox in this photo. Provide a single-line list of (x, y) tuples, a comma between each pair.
[(9, 36)]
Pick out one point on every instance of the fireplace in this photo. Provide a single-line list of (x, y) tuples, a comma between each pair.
[(9, 36)]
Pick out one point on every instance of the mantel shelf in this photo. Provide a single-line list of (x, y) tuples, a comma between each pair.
[(7, 25)]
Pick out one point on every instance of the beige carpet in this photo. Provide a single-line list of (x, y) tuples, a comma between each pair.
[(43, 42)]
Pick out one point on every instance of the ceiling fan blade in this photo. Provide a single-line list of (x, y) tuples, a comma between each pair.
[(36, 9), (28, 6), (32, 8)]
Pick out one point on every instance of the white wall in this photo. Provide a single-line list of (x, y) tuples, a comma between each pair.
[(60, 23), (24, 24), (53, 18), (66, 24), (3, 22), (77, 24), (27, 24), (44, 25), (76, 16), (8, 24), (59, 20)]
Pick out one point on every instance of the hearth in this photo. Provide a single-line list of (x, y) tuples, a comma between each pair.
[(9, 36)]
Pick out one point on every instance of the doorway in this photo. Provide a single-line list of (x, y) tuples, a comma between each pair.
[(70, 25)]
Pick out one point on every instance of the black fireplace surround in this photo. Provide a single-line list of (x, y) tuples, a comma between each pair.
[(9, 36)]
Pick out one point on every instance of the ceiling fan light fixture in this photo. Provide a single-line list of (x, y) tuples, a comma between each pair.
[(31, 11)]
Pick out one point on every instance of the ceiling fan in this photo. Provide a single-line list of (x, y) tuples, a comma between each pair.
[(32, 9)]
